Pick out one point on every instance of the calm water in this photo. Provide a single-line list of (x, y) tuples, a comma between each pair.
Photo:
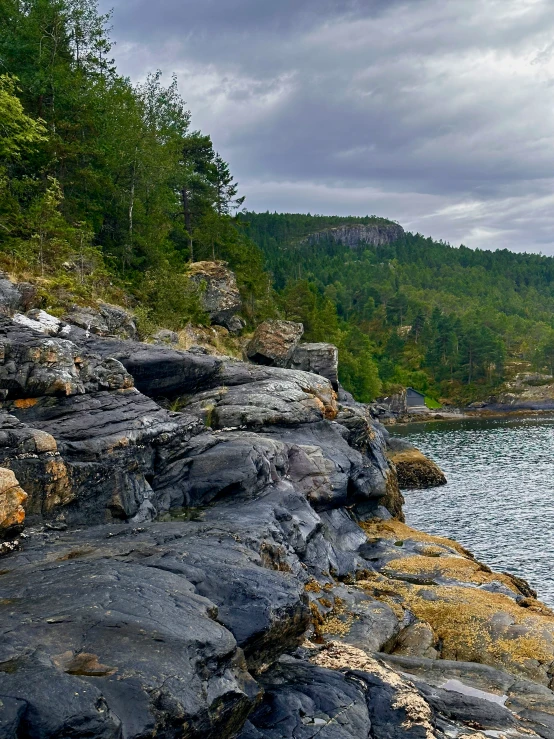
[(499, 501)]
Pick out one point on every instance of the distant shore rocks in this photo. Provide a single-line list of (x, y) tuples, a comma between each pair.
[(414, 470)]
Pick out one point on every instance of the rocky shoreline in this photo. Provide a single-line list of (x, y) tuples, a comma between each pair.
[(215, 548)]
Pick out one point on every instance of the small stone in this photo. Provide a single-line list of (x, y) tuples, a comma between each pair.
[(164, 336)]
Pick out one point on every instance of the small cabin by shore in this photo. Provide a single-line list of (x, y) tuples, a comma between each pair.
[(415, 400)]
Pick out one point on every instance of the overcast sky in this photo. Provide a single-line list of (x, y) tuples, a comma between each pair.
[(435, 113)]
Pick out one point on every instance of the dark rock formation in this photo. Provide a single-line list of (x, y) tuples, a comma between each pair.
[(274, 342), (229, 568), (356, 234), (321, 359), (219, 294)]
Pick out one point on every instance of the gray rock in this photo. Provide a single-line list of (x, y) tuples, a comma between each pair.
[(321, 359), (126, 649), (91, 458), (357, 234), (120, 322), (304, 701), (105, 320), (274, 342), (32, 365), (164, 336), (15, 296), (41, 321), (219, 296)]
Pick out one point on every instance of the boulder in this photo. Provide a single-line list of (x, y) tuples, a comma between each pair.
[(220, 296), (12, 497), (321, 359), (104, 320), (415, 471), (274, 342), (396, 404)]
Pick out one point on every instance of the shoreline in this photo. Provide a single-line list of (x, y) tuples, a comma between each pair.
[(464, 415)]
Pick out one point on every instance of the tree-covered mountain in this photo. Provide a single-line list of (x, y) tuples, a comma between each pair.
[(439, 318)]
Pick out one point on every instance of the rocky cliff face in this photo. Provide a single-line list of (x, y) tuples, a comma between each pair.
[(233, 568), (375, 234)]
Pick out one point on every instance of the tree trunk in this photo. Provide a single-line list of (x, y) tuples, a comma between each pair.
[(187, 216)]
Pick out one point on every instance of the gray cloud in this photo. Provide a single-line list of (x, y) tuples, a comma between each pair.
[(436, 113)]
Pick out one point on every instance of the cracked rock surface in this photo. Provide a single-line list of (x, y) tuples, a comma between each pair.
[(215, 549)]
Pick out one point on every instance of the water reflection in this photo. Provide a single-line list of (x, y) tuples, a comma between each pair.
[(499, 501)]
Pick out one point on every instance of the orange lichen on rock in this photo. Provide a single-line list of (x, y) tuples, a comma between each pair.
[(12, 498), (338, 656), (23, 403)]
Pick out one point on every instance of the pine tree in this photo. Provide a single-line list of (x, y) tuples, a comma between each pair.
[(226, 188)]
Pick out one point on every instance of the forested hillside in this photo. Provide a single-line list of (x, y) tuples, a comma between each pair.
[(105, 187), (444, 320)]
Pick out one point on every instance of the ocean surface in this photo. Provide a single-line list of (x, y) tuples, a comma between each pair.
[(499, 500)]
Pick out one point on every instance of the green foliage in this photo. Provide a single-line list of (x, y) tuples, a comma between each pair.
[(18, 131), (168, 299), (99, 176), (441, 319), (432, 403)]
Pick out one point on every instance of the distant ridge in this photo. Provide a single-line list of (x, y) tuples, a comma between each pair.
[(353, 235)]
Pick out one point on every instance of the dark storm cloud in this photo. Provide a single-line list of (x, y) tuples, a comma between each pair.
[(437, 113)]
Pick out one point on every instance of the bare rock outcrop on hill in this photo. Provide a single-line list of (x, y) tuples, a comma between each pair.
[(219, 293), (356, 234)]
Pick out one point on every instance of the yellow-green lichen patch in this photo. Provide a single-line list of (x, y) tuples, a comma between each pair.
[(398, 531), (466, 621), (457, 569)]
